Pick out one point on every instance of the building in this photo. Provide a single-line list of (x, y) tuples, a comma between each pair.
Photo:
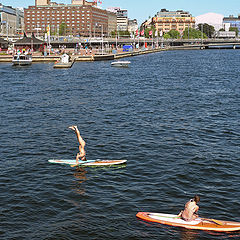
[(112, 22), (3, 44), (12, 21), (166, 20), (42, 2), (213, 19), (81, 18), (20, 20), (233, 21), (83, 2), (132, 26), (122, 18), (225, 34), (29, 43)]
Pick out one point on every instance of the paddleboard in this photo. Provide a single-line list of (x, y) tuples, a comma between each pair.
[(97, 162), (198, 224)]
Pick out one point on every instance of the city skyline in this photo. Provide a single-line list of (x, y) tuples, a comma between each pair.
[(137, 9)]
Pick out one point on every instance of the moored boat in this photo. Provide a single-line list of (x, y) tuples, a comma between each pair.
[(120, 63), (64, 62), (22, 59)]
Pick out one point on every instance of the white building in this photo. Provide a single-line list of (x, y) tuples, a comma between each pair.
[(213, 19), (122, 18), (132, 25)]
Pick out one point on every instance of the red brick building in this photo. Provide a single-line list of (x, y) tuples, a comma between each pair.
[(81, 18)]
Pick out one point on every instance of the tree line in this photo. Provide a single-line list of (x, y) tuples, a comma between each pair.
[(203, 31)]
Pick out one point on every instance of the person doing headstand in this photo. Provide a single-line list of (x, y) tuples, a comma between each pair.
[(82, 153)]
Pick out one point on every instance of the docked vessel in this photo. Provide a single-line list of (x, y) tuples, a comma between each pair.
[(22, 59), (65, 62), (120, 63)]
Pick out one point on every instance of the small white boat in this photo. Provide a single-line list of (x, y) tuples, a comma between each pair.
[(22, 59), (64, 62), (120, 63)]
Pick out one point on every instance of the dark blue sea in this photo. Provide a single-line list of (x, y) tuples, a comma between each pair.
[(173, 115)]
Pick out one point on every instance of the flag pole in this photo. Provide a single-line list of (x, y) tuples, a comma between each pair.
[(48, 35)]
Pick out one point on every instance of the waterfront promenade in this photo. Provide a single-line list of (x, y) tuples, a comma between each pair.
[(98, 55), (37, 57)]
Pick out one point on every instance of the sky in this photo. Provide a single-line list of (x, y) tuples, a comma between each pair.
[(143, 9)]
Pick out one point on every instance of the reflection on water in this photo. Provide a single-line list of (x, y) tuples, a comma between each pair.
[(80, 175), (187, 234), (109, 167)]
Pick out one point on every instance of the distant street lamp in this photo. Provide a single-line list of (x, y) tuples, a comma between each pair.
[(102, 39), (37, 29), (100, 25)]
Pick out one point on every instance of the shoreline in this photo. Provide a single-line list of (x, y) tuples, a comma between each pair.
[(98, 57)]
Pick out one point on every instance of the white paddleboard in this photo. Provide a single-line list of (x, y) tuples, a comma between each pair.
[(97, 162)]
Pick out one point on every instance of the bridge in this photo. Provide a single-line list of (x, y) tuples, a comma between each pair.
[(202, 43), (73, 42)]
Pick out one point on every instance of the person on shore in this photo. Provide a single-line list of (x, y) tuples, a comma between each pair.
[(191, 209), (82, 154)]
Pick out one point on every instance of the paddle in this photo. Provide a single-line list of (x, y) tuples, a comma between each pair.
[(74, 165), (214, 221)]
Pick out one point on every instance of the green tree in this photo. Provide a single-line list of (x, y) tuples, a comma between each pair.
[(124, 33), (222, 30), (147, 30), (207, 29), (113, 33), (166, 36), (191, 33), (174, 34), (235, 29), (63, 29)]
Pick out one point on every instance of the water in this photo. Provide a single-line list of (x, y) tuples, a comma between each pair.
[(173, 115)]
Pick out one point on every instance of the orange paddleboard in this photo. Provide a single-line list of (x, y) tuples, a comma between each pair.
[(198, 224)]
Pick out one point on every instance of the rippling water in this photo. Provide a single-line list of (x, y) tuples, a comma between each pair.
[(173, 115)]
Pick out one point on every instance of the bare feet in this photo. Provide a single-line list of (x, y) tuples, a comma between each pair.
[(73, 127)]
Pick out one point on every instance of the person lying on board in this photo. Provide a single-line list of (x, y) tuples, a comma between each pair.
[(82, 153), (191, 209)]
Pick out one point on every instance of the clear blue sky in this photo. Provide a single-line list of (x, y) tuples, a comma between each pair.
[(142, 9)]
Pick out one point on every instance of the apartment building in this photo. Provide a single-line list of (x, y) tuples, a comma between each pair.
[(81, 18), (179, 20), (11, 21), (132, 26), (112, 22), (122, 18), (232, 22)]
